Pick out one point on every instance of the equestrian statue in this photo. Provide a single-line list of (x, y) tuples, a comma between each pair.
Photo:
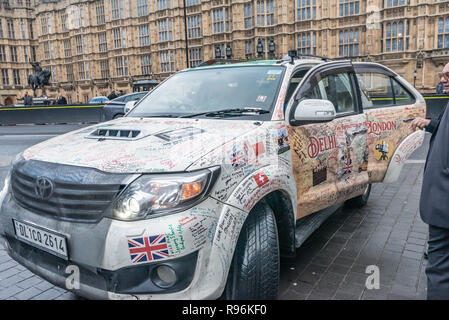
[(39, 79)]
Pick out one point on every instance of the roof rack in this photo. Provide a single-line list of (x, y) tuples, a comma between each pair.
[(294, 54), (219, 61)]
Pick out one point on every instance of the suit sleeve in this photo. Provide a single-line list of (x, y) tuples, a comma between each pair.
[(434, 122), (432, 125)]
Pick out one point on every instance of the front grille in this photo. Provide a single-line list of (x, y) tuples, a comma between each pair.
[(79, 194)]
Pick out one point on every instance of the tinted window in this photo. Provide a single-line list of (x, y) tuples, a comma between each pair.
[(128, 98), (401, 95), (337, 89), (378, 90), (119, 99), (375, 89)]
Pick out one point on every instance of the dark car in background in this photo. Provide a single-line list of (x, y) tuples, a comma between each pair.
[(116, 108), (99, 100)]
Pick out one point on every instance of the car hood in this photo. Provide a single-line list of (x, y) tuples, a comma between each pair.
[(142, 145)]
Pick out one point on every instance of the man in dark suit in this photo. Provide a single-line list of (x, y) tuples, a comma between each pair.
[(434, 202), (112, 95), (27, 100)]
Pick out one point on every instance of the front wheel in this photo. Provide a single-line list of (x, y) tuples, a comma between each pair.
[(254, 272)]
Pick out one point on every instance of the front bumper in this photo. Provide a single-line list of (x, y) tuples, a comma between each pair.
[(101, 252), (100, 284)]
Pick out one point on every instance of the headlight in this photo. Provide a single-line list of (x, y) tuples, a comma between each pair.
[(156, 194)]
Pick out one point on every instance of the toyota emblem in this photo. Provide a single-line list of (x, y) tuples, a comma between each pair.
[(43, 188)]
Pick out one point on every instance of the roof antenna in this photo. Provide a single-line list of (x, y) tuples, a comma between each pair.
[(292, 54)]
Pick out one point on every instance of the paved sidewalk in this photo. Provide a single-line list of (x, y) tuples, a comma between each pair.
[(388, 233)]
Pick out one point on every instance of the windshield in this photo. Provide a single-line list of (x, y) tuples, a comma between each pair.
[(208, 90)]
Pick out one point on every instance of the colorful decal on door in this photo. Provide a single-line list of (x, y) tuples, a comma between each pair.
[(345, 166), (377, 127), (364, 165), (148, 248), (383, 150), (282, 140), (318, 145), (259, 148), (239, 156), (319, 176)]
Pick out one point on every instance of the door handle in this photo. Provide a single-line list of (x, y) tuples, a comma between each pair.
[(361, 131)]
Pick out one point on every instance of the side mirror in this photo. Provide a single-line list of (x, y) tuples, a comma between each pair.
[(315, 110), (129, 106)]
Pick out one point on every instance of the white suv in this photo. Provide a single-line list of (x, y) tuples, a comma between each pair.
[(215, 174)]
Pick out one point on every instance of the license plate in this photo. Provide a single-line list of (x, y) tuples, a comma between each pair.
[(41, 238)]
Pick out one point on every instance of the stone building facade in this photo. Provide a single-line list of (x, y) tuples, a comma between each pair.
[(94, 46)]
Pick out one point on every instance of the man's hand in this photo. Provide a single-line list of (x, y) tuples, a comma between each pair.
[(420, 123)]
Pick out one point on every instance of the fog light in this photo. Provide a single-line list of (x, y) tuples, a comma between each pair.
[(164, 276)]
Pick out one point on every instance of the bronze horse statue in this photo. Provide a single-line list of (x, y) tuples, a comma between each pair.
[(39, 79)]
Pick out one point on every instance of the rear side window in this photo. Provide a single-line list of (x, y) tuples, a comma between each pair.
[(380, 90), (402, 96)]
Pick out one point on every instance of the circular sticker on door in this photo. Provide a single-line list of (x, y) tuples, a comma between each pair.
[(383, 150)]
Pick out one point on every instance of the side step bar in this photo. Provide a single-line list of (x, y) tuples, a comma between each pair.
[(307, 225)]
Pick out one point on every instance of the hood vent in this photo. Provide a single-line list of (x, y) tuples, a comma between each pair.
[(115, 134)]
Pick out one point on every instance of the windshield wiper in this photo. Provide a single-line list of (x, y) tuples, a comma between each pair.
[(149, 115), (234, 112)]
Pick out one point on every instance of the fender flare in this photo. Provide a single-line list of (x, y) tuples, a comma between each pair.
[(261, 182), (234, 214), (402, 153)]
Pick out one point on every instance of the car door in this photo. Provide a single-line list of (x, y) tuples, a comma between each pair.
[(329, 158), (389, 106)]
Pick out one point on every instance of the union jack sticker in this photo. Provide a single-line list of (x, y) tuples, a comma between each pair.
[(148, 248)]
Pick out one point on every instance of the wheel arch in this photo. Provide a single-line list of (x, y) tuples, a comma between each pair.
[(279, 192), (281, 204)]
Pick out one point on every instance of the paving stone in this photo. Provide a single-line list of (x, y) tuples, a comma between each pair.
[(414, 248), (71, 296), (403, 291), (345, 296), (413, 255), (28, 293), (29, 282), (8, 273), (43, 286), (302, 287), (11, 280), (9, 292), (335, 268), (48, 295), (7, 265), (417, 241), (356, 278), (352, 288), (419, 235), (320, 296)]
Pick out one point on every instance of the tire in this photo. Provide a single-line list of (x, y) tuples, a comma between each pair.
[(361, 200), (118, 115), (254, 272)]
